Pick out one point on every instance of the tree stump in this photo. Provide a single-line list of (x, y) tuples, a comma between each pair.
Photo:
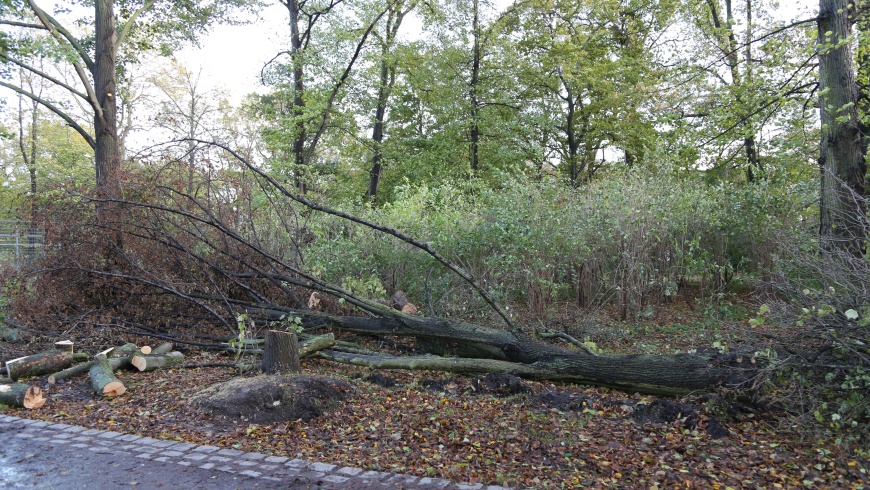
[(281, 353)]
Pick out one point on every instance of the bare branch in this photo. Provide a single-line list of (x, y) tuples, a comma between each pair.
[(43, 75), (54, 109), (466, 276)]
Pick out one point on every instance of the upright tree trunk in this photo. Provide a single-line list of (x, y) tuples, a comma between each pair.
[(731, 49), (378, 134), (473, 88), (385, 88), (573, 143), (843, 225), (293, 7), (107, 151)]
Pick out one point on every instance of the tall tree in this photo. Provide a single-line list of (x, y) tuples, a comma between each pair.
[(594, 61), (843, 225), (327, 39), (387, 78), (96, 64)]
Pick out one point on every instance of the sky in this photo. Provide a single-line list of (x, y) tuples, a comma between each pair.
[(231, 56)]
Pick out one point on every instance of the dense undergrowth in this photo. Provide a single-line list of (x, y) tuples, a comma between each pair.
[(608, 263)]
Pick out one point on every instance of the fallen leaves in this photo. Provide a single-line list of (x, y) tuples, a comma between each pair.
[(459, 434)]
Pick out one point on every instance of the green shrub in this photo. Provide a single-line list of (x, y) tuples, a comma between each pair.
[(632, 240)]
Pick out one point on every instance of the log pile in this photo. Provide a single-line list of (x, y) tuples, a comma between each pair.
[(60, 364)]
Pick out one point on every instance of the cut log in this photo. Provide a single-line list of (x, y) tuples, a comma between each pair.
[(115, 364), (164, 348), (152, 362), (103, 380), (145, 349), (43, 363), (401, 303), (122, 351), (316, 344), (281, 353), (21, 395), (64, 345)]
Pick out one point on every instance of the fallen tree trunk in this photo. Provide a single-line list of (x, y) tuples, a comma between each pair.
[(43, 363), (21, 395), (529, 358), (103, 380), (152, 362), (164, 348), (120, 351), (316, 344)]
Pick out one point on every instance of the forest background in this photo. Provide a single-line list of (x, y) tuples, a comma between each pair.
[(578, 159)]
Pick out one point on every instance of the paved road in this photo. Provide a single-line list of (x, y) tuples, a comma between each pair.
[(44, 456)]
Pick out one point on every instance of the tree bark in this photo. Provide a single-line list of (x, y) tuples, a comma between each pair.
[(43, 363), (21, 395), (843, 211), (527, 357), (103, 380), (316, 344), (152, 362), (107, 151), (281, 353)]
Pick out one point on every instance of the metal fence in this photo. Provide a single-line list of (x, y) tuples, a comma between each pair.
[(20, 241)]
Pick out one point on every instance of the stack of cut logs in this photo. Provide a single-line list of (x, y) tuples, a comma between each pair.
[(64, 364)]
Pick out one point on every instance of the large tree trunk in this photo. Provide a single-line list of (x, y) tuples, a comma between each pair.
[(843, 226), (490, 350), (280, 353), (107, 151), (43, 363), (103, 380)]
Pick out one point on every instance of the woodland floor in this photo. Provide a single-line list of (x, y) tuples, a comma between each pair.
[(441, 425)]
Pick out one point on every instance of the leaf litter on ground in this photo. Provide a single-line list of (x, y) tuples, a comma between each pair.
[(440, 425)]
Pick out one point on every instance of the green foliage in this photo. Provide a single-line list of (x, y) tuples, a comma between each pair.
[(634, 240), (822, 370)]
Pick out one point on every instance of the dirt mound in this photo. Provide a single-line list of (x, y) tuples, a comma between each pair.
[(565, 401), (499, 384), (266, 399), (449, 385), (666, 412), (380, 380)]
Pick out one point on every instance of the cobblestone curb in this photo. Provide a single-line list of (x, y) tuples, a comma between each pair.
[(255, 465)]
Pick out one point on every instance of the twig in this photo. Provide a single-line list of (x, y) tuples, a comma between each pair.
[(570, 340)]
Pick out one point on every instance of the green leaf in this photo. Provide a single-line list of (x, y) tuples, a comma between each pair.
[(851, 314)]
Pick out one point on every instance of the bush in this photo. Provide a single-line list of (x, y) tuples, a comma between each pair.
[(821, 362), (631, 240)]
